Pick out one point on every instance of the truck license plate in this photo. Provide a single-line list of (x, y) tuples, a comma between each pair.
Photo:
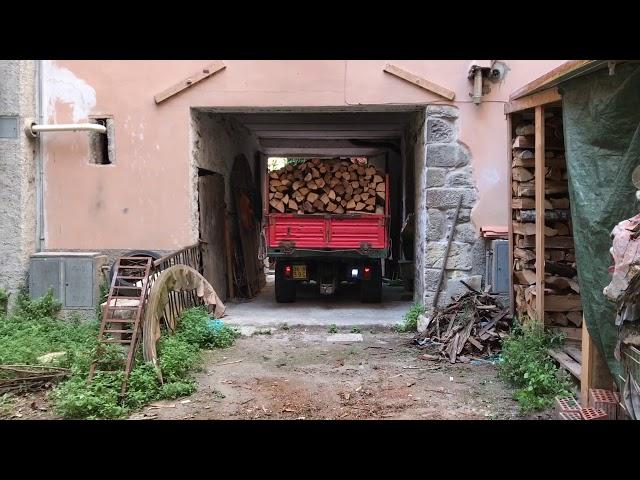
[(299, 272)]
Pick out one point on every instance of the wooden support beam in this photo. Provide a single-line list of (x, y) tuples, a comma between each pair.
[(595, 371), (510, 223), (420, 81), (540, 178), (191, 80), (535, 100)]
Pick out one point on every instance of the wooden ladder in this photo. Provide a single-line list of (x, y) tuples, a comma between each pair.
[(122, 314)]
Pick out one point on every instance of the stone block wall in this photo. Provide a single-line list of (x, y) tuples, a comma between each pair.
[(448, 175)]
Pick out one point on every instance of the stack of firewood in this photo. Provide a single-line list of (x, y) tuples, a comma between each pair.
[(333, 186), (562, 299)]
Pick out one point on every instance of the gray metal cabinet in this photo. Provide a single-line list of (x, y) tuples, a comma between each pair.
[(500, 268), (72, 275)]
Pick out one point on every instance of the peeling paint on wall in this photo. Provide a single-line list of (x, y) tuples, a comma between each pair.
[(61, 85)]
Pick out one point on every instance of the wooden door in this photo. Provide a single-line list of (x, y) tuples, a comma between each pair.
[(212, 230)]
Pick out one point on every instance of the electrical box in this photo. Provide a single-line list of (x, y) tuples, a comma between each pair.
[(75, 277), (499, 266)]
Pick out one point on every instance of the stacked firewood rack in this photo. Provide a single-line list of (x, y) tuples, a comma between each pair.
[(545, 287)]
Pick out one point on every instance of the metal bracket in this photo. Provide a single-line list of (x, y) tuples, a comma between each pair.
[(364, 248), (288, 247)]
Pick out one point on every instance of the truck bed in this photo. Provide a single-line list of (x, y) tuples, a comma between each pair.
[(327, 231)]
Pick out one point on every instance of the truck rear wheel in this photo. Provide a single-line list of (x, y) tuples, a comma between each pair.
[(371, 289), (285, 288)]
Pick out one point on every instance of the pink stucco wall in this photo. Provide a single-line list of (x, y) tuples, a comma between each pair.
[(144, 200)]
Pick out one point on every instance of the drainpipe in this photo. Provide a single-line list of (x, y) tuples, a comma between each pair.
[(39, 164), (477, 86), (34, 129)]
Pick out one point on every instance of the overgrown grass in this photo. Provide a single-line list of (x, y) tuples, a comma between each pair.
[(526, 365), (178, 355), (410, 319), (32, 330)]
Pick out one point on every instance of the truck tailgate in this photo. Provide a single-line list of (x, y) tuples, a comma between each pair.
[(327, 231)]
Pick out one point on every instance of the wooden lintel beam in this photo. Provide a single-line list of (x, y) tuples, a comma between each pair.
[(539, 180), (191, 80), (542, 98), (420, 81)]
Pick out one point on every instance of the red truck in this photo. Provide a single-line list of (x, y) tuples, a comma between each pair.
[(328, 249)]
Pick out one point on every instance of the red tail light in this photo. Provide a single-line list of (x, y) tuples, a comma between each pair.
[(366, 273), (287, 271)]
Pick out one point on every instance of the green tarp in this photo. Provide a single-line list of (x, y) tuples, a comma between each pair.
[(601, 115)]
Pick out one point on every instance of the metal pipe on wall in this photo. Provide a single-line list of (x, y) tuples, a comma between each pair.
[(35, 128)]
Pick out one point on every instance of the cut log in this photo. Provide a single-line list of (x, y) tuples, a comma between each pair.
[(551, 242), (278, 205), (561, 228), (312, 197), (360, 206), (559, 202), (561, 283), (526, 129), (555, 255), (521, 174), (550, 215), (530, 229), (525, 277), (575, 318), (524, 254), (522, 141), (561, 269), (293, 205), (557, 318), (351, 204)]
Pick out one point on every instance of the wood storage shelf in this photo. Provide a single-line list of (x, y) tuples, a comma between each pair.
[(541, 221)]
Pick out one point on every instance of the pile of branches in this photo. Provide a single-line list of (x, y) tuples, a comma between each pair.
[(22, 378), (472, 326)]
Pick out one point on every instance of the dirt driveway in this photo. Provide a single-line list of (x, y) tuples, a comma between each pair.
[(297, 374)]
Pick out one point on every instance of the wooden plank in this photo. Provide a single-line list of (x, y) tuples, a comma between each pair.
[(595, 371), (535, 100), (511, 202), (555, 75), (420, 81), (550, 242), (571, 333), (573, 351), (191, 80), (540, 238), (567, 362)]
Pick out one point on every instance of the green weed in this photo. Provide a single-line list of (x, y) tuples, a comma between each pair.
[(333, 328), (410, 320), (527, 366), (32, 330), (355, 330)]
